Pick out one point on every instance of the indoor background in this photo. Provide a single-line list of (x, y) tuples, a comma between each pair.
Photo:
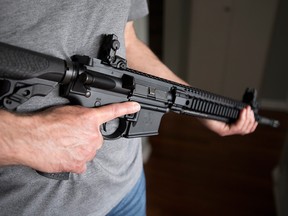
[(222, 46)]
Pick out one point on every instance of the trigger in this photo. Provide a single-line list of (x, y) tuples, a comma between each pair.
[(132, 117), (104, 127)]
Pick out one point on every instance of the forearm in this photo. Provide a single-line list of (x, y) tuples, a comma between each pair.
[(10, 136)]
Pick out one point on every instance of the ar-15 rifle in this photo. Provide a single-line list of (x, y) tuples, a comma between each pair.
[(93, 82)]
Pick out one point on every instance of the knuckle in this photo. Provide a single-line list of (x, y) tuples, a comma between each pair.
[(80, 168), (79, 165), (96, 141)]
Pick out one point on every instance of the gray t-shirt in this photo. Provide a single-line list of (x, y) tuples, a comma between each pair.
[(64, 28)]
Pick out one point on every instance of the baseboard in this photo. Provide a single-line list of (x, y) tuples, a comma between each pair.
[(274, 105)]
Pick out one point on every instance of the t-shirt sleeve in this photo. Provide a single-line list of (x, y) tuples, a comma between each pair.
[(138, 9)]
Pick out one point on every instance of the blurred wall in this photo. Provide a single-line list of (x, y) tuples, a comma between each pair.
[(176, 35), (224, 46), (275, 79)]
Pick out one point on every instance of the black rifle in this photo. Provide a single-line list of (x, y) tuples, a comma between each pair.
[(93, 82)]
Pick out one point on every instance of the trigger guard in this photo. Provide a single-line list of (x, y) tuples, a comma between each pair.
[(118, 132)]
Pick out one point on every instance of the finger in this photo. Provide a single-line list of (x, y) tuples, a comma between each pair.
[(249, 120), (80, 169), (242, 126), (251, 123), (112, 111), (252, 120), (240, 123), (254, 126)]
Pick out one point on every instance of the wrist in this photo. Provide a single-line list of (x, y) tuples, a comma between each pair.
[(6, 155), (12, 132)]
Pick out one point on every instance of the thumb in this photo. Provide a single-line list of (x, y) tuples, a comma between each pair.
[(112, 111)]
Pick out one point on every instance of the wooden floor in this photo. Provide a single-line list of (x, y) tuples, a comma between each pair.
[(192, 171)]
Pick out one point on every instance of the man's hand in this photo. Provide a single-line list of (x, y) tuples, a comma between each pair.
[(60, 139), (245, 124)]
